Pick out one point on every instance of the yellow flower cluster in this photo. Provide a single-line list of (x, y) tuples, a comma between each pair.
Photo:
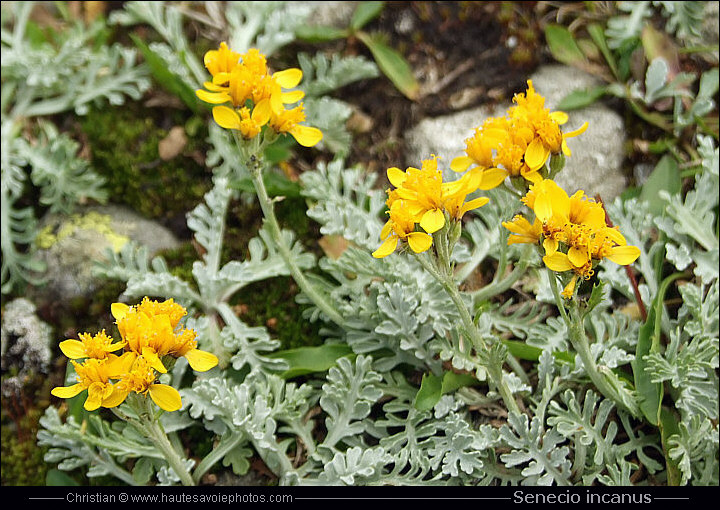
[(572, 230), (421, 198), (149, 331), (518, 144), (255, 95)]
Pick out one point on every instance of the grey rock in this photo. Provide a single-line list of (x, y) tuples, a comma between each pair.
[(710, 28), (72, 245), (597, 155), (24, 345), (332, 14)]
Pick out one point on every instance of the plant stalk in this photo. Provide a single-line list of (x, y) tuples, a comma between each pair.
[(495, 372), (579, 341), (155, 432), (271, 220)]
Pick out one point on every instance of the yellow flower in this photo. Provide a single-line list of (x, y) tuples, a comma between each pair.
[(94, 375), (255, 95), (548, 137), (248, 124), (401, 226), (288, 121), (152, 333), (222, 60), (422, 193), (573, 232), (141, 377), (523, 231), (98, 346)]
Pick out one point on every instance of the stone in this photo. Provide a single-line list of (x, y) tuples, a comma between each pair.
[(335, 14), (597, 155), (72, 245), (24, 345)]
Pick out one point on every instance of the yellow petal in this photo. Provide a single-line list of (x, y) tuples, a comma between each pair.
[(153, 360), (559, 117), (73, 349), (67, 391), (292, 97), (473, 204), (550, 245), (386, 248), (576, 132), (569, 289), (166, 397), (492, 178), (306, 136), (261, 113), (212, 97), (624, 255), (288, 78), (461, 163), (387, 228), (396, 176), (578, 256), (120, 365), (543, 207), (432, 221), (115, 398), (419, 242), (536, 154), (119, 310), (615, 236), (226, 117), (201, 361), (565, 149), (214, 88), (558, 261), (95, 396)]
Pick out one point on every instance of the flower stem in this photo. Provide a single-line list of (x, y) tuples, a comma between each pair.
[(579, 341), (495, 372), (157, 435), (268, 212)]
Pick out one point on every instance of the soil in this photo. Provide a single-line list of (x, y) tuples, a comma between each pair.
[(463, 54)]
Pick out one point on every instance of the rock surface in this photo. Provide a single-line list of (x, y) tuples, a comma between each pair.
[(332, 13), (24, 345), (597, 154), (72, 245)]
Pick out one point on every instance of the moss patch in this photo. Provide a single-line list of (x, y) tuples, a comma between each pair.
[(124, 149)]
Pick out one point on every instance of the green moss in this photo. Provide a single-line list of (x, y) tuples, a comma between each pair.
[(124, 145), (22, 459), (271, 303)]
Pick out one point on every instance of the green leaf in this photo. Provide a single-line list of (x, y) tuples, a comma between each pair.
[(57, 478), (531, 353), (143, 470), (365, 12), (319, 34), (392, 64), (307, 360), (665, 177), (650, 394), (433, 387), (275, 183), (669, 427), (167, 79), (562, 45), (452, 381), (581, 98), (597, 33), (429, 393)]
